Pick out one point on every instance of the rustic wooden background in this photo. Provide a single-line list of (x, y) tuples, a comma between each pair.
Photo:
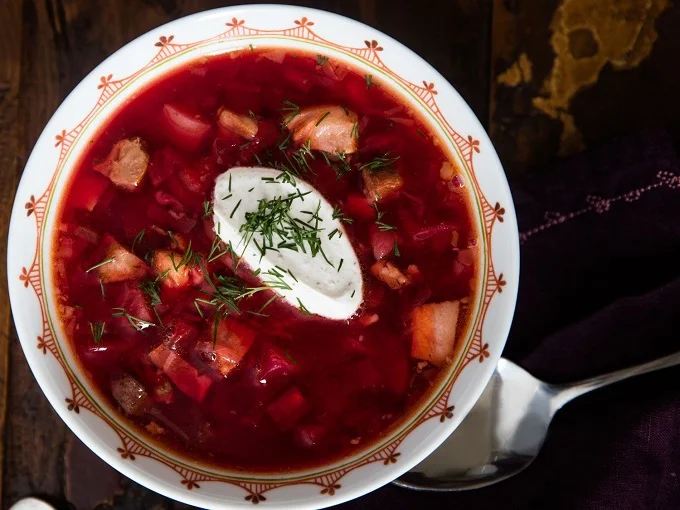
[(548, 78)]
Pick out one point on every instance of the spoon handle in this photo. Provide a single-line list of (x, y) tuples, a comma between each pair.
[(565, 393)]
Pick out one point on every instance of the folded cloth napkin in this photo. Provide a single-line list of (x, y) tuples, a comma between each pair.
[(599, 291)]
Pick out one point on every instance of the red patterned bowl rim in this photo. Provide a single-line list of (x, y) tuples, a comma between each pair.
[(49, 165)]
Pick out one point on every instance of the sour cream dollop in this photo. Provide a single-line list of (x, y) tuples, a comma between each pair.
[(328, 283)]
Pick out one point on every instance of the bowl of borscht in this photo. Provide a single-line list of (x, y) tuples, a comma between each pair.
[(263, 254)]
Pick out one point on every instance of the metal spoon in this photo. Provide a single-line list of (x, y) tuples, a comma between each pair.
[(506, 428)]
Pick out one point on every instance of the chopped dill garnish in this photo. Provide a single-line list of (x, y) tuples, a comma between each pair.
[(138, 239), (136, 322), (332, 234), (369, 81), (420, 132), (382, 226), (322, 118), (355, 131), (244, 145), (251, 114), (292, 275), (251, 189), (228, 196), (291, 358), (345, 109), (97, 329), (338, 215), (340, 265), (321, 60), (396, 250), (152, 290), (251, 47), (379, 162), (101, 285), (303, 308), (291, 111), (234, 210), (186, 258), (229, 183), (207, 208), (100, 264), (353, 292)]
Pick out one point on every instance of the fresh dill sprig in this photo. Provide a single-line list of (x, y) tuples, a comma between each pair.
[(136, 322), (100, 264), (321, 60), (382, 226), (379, 162), (138, 239), (97, 329), (338, 215)]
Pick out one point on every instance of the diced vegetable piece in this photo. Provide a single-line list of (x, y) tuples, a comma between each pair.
[(130, 395), (381, 184), (186, 130), (434, 331), (357, 208), (164, 163), (276, 365), (232, 343), (124, 265), (383, 243), (309, 435), (163, 392), (241, 125), (390, 274), (126, 164), (174, 271), (154, 428), (180, 336), (288, 409), (181, 373), (328, 128), (446, 172)]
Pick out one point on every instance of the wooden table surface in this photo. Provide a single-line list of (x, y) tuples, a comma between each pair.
[(547, 78)]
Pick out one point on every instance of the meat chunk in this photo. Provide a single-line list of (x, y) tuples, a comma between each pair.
[(124, 265), (240, 125), (381, 184), (126, 164), (389, 274), (434, 331), (328, 128), (173, 270), (231, 345), (130, 395)]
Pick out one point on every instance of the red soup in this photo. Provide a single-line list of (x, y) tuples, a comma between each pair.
[(195, 346)]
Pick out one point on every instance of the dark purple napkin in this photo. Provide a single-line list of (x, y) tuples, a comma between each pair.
[(599, 290)]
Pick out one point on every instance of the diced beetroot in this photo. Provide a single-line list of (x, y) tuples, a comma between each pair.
[(124, 266), (126, 164), (164, 163), (181, 373), (276, 366), (225, 149), (467, 256), (180, 336), (288, 409), (433, 230), (198, 178), (130, 395), (232, 343), (166, 199), (187, 131), (267, 134), (88, 190), (383, 243), (434, 331), (131, 299), (357, 208), (309, 435)]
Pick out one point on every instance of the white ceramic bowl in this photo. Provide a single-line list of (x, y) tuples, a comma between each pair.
[(54, 157)]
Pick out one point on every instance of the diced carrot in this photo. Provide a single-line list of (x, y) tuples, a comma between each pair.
[(126, 164), (389, 274), (381, 184), (130, 395), (328, 128), (231, 345), (241, 125), (434, 331), (288, 409), (124, 264), (167, 264)]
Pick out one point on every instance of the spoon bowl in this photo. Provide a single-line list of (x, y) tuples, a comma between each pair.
[(506, 428)]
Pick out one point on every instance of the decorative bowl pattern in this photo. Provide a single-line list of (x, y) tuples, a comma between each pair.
[(54, 156)]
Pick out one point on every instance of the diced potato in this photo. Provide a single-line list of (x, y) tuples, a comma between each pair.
[(434, 331), (328, 128), (130, 395), (240, 125), (126, 164), (446, 172), (381, 184), (154, 428), (390, 274), (232, 343), (124, 265), (167, 264)]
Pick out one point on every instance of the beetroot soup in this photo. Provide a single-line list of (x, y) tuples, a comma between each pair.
[(264, 260)]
